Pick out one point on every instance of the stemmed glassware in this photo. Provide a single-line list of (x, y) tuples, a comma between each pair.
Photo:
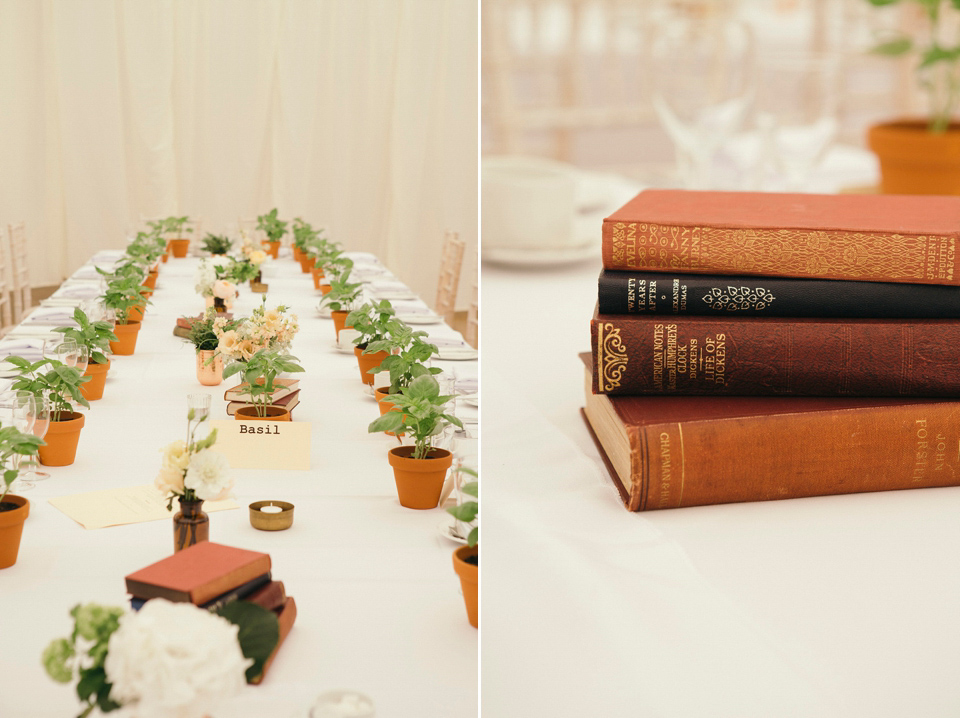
[(68, 352), (18, 409), (702, 86), (43, 408)]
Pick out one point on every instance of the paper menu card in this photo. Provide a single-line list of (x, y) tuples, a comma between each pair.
[(124, 505)]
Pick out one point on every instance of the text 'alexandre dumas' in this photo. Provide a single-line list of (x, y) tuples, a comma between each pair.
[(704, 359)]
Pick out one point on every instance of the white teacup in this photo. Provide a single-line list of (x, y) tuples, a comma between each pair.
[(527, 203)]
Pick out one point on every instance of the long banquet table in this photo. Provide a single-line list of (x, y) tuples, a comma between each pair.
[(379, 605)]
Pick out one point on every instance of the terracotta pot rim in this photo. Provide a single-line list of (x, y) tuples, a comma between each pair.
[(250, 412), (466, 571), (131, 325), (66, 425), (17, 515), (437, 460), (96, 367), (909, 142)]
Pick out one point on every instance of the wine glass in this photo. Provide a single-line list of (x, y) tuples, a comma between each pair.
[(83, 358), (797, 100), (18, 409), (67, 352), (702, 85), (43, 408)]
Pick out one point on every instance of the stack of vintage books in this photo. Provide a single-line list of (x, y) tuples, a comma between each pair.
[(752, 346), (285, 395), (211, 575)]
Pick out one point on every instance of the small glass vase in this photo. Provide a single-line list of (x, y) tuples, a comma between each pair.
[(190, 525), (219, 305)]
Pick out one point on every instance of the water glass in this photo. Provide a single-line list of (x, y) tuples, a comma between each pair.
[(67, 352), (343, 704)]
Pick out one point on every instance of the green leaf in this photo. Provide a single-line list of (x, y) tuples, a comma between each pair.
[(391, 421), (937, 54), (474, 537), (894, 47), (258, 635), (91, 681), (465, 512)]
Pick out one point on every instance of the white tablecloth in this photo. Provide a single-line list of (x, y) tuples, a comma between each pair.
[(830, 606), (379, 605)]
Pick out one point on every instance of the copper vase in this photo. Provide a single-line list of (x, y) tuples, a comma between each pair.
[(209, 373), (190, 525)]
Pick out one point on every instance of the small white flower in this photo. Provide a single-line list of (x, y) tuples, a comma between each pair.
[(224, 289), (169, 480), (208, 474), (175, 456), (174, 659)]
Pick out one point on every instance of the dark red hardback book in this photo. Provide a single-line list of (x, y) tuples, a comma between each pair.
[(288, 402), (270, 597), (883, 238), (198, 574), (636, 354), (678, 451)]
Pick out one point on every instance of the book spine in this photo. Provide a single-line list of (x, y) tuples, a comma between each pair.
[(761, 458), (270, 597), (622, 292), (775, 357), (285, 618), (237, 593), (783, 252)]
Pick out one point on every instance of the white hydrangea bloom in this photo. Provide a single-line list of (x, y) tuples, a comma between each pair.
[(208, 474)]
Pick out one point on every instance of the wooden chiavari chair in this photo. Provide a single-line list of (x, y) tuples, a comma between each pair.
[(19, 270), (451, 260)]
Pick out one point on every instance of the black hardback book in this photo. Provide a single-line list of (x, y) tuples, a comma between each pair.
[(665, 293), (234, 594)]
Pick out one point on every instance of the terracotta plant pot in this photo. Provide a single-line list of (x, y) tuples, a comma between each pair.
[(296, 253), (126, 342), (368, 362), (62, 439), (151, 280), (339, 321), (914, 160), (166, 255), (469, 579), (274, 413), (11, 528), (382, 393), (179, 247), (306, 263), (317, 273), (419, 481), (209, 373), (271, 248), (93, 389), (325, 288), (135, 314)]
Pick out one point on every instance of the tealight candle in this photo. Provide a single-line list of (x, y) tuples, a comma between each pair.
[(271, 515)]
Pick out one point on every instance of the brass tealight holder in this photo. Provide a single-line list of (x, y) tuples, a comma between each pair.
[(271, 521)]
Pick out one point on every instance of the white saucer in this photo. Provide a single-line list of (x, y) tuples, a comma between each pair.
[(323, 312), (541, 256), (447, 528), (457, 354), (420, 318)]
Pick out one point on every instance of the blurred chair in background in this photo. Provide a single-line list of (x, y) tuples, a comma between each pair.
[(451, 261), (19, 270), (473, 320), (6, 314)]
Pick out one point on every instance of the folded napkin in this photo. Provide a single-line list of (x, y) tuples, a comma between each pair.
[(447, 342), (468, 386)]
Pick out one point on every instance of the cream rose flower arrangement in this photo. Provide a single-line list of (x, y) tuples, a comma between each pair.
[(263, 329), (191, 470)]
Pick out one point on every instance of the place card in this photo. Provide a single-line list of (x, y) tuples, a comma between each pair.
[(264, 444), (124, 505)]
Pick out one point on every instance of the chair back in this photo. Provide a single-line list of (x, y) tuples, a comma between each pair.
[(450, 262)]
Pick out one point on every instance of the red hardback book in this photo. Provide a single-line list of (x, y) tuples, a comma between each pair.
[(671, 452), (883, 238), (636, 354), (287, 402), (281, 388), (285, 617), (270, 597), (198, 574)]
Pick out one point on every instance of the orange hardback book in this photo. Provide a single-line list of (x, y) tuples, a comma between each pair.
[(198, 574), (285, 617), (883, 238), (281, 388)]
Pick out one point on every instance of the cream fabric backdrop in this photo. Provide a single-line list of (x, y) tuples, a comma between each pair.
[(359, 115)]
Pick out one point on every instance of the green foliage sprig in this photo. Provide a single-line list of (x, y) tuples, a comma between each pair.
[(14, 442), (123, 294), (61, 383), (217, 243), (420, 414), (175, 225), (238, 271), (343, 294), (407, 353), (938, 68), (375, 321), (467, 511), (260, 373), (202, 335), (272, 226), (95, 336)]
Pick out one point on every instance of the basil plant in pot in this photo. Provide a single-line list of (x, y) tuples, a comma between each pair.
[(60, 385), (466, 559), (407, 354), (123, 296), (374, 322), (274, 228), (96, 337), (259, 376), (341, 300), (419, 470), (14, 510), (175, 227), (922, 156)]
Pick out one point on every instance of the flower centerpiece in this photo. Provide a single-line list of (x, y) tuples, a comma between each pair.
[(60, 384), (14, 444), (419, 470), (166, 660), (205, 339), (96, 337), (192, 473), (248, 267), (263, 329)]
